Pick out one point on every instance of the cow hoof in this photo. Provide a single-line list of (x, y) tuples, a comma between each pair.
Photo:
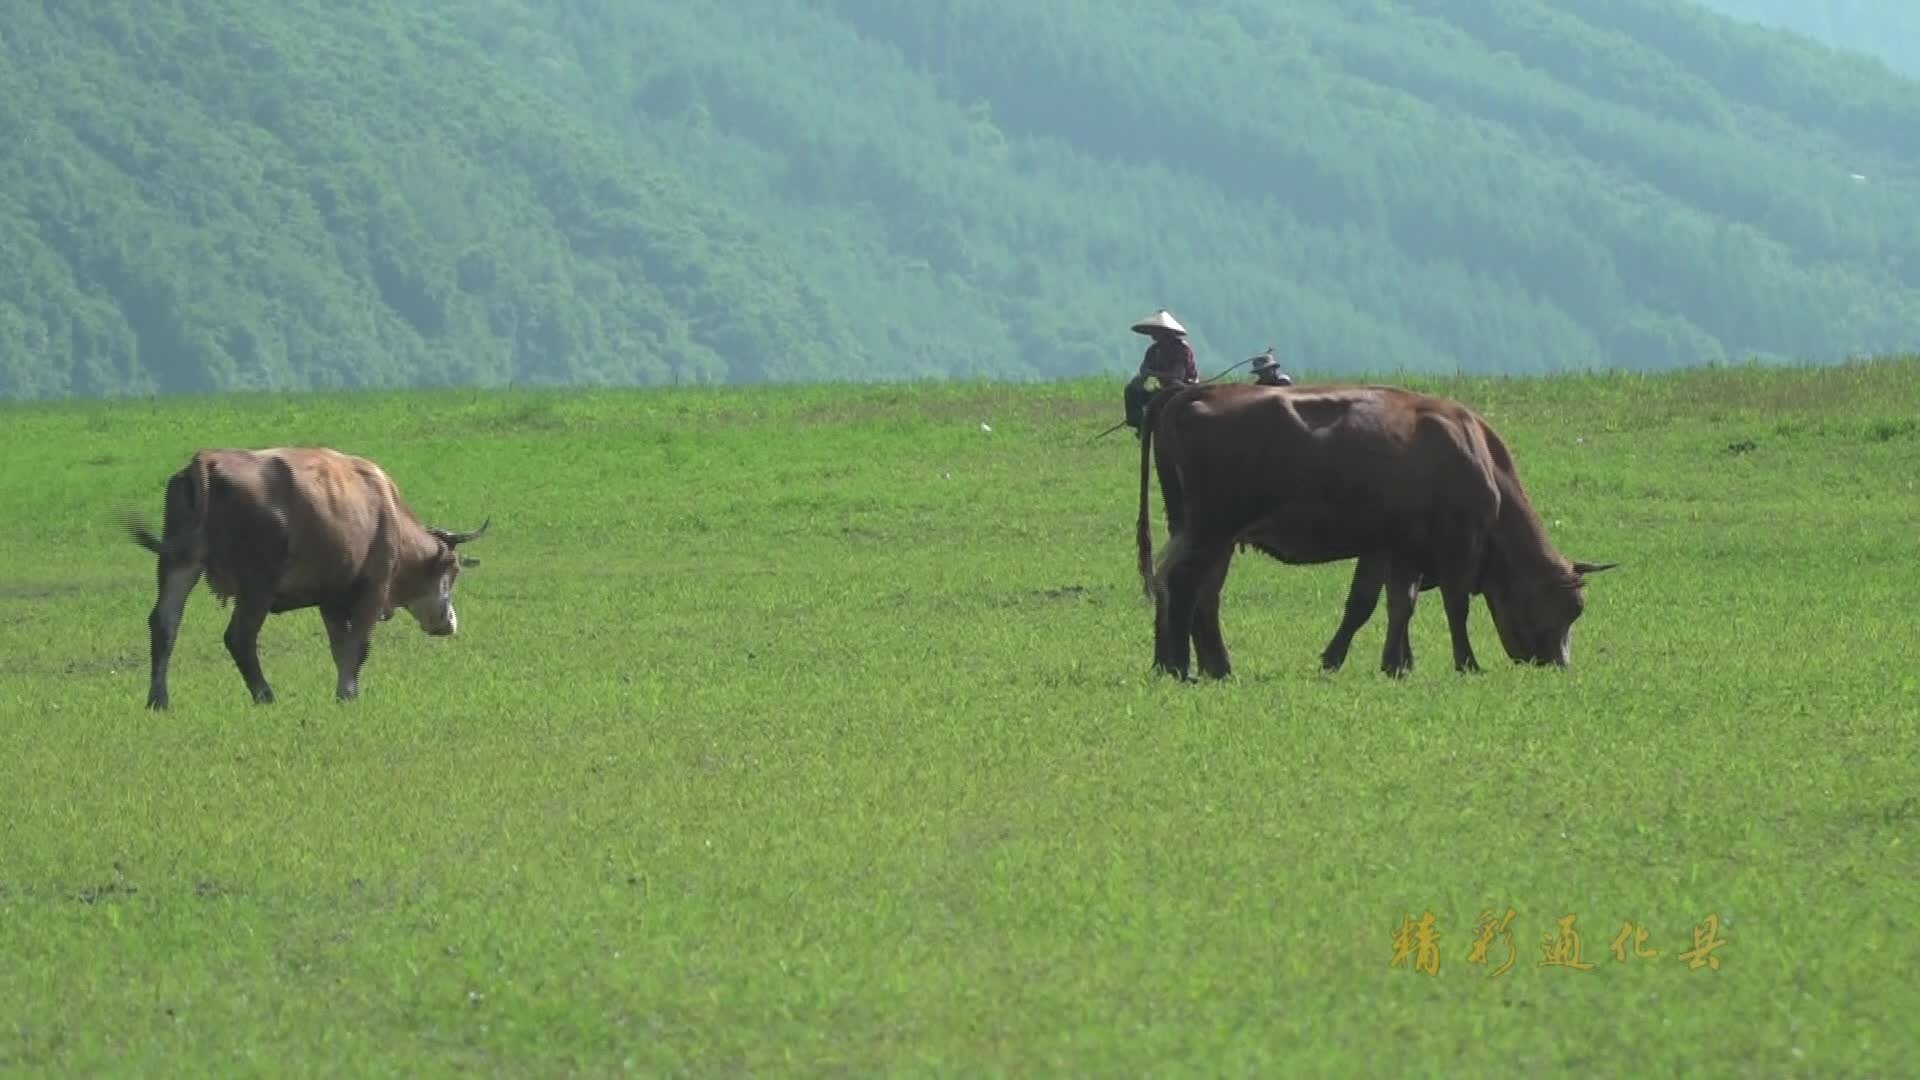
[(158, 704)]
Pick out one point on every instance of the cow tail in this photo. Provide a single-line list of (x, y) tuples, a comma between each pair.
[(185, 512), (137, 529), (200, 479), (1143, 531)]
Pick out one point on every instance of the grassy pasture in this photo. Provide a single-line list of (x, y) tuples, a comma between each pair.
[(811, 731)]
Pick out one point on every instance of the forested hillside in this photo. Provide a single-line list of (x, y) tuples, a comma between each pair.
[(217, 194), (1888, 29)]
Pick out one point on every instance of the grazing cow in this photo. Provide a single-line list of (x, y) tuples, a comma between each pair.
[(1419, 490), (280, 530)]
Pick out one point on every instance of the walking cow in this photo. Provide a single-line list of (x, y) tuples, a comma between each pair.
[(1420, 490), (285, 529)]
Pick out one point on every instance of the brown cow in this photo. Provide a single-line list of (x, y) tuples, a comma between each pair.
[(1419, 490), (280, 530)]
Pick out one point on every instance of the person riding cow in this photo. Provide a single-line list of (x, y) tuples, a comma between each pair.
[(1169, 360), (1266, 371)]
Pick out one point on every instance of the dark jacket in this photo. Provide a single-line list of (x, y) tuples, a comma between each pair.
[(1170, 359)]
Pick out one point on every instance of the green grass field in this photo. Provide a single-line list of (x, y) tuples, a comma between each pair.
[(812, 731)]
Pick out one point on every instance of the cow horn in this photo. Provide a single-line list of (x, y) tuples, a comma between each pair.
[(1585, 568), (454, 539)]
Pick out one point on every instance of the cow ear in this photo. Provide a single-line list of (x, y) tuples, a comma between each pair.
[(1586, 568)]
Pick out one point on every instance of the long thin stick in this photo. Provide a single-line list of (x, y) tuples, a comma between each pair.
[(1211, 378), (1232, 369)]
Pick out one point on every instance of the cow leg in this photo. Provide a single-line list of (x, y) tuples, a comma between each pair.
[(1209, 646), (243, 642), (1363, 596), (1169, 648), (176, 582), (350, 642), (1185, 567), (1403, 589), (1161, 618), (1456, 592), (1459, 601)]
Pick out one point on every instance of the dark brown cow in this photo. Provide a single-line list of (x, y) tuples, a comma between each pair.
[(280, 530), (1419, 490)]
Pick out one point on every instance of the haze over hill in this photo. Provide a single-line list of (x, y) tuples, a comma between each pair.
[(1887, 29), (224, 194)]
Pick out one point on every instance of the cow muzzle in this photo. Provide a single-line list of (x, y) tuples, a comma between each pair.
[(438, 620)]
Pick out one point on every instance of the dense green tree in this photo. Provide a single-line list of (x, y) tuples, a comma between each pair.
[(218, 194)]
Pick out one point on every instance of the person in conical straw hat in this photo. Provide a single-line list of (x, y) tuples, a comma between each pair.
[(1266, 370), (1170, 358)]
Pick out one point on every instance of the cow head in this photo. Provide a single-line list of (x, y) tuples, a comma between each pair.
[(430, 597), (1534, 610)]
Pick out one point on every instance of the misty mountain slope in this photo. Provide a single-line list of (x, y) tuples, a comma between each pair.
[(214, 197), (219, 194)]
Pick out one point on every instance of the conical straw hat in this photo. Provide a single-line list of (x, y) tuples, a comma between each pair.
[(1159, 320)]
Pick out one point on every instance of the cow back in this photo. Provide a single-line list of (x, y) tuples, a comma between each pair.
[(320, 519), (1326, 473)]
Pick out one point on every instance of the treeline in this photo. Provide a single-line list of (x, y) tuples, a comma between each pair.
[(218, 194)]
